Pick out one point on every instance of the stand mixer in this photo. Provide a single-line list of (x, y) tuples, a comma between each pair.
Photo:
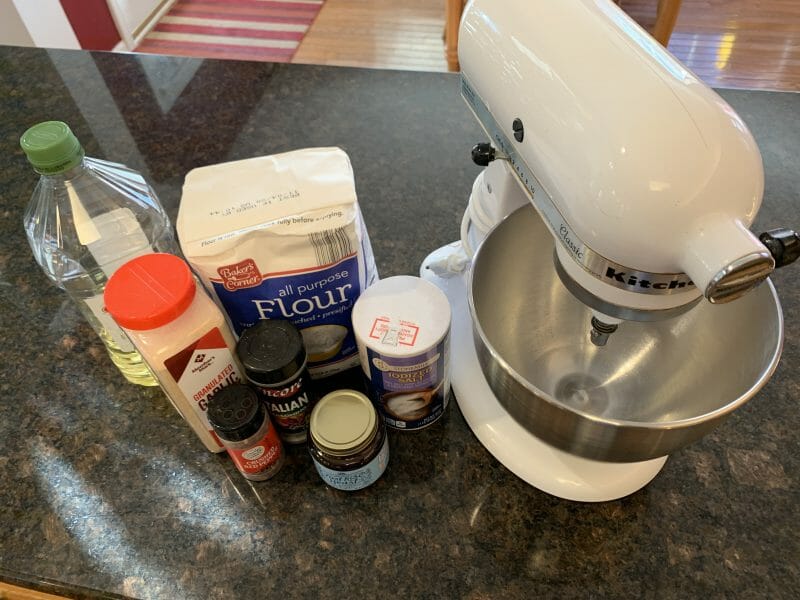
[(617, 306)]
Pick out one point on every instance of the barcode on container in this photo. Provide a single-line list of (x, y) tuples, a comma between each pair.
[(330, 245)]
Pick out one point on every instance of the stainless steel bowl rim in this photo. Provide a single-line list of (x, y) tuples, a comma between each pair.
[(665, 425)]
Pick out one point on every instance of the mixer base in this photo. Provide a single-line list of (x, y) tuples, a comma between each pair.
[(542, 466)]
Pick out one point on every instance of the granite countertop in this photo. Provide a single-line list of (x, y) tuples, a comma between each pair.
[(106, 492)]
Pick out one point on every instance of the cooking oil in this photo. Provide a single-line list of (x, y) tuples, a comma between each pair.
[(86, 218)]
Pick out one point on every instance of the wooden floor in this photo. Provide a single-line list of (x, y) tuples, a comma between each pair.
[(752, 44), (387, 34)]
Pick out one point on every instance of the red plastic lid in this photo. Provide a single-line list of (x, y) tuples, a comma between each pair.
[(149, 291)]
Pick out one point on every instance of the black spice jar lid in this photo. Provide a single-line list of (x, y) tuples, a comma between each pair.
[(271, 351), (235, 412)]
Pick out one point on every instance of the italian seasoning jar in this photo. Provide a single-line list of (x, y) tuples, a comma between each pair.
[(348, 441), (274, 360), (240, 420)]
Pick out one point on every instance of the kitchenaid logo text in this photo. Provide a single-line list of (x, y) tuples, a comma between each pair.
[(634, 281)]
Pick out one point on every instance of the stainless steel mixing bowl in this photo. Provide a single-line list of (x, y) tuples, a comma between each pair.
[(654, 388)]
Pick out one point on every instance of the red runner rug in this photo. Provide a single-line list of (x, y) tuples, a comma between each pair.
[(267, 30)]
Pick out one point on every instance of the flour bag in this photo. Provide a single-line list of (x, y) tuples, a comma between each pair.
[(282, 237)]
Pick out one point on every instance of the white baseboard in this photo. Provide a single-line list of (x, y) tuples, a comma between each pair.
[(131, 39), (151, 21)]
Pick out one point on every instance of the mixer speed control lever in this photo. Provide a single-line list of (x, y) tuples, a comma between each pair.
[(483, 154), (783, 244)]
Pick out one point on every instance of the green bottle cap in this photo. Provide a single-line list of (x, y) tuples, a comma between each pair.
[(51, 147)]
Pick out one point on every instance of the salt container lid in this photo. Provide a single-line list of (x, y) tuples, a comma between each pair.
[(401, 316)]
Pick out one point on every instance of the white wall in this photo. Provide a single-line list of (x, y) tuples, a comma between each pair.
[(46, 23), (12, 29), (43, 23)]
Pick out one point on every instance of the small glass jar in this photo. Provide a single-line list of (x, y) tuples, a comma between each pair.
[(240, 420), (348, 441)]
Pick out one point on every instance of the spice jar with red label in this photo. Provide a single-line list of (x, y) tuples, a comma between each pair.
[(240, 420), (274, 360)]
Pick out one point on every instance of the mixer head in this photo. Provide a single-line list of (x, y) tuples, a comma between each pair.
[(645, 177)]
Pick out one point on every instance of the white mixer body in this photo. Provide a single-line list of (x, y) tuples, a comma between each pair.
[(648, 172), (648, 182)]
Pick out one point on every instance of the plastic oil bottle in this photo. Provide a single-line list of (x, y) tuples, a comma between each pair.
[(85, 219)]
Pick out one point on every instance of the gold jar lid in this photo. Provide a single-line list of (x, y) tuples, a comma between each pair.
[(343, 422)]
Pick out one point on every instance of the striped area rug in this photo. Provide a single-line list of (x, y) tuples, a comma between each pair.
[(267, 30)]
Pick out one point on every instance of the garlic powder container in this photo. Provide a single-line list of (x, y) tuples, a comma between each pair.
[(402, 327), (179, 332)]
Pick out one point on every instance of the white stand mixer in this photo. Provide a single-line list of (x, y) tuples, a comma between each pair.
[(647, 182), (543, 466)]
